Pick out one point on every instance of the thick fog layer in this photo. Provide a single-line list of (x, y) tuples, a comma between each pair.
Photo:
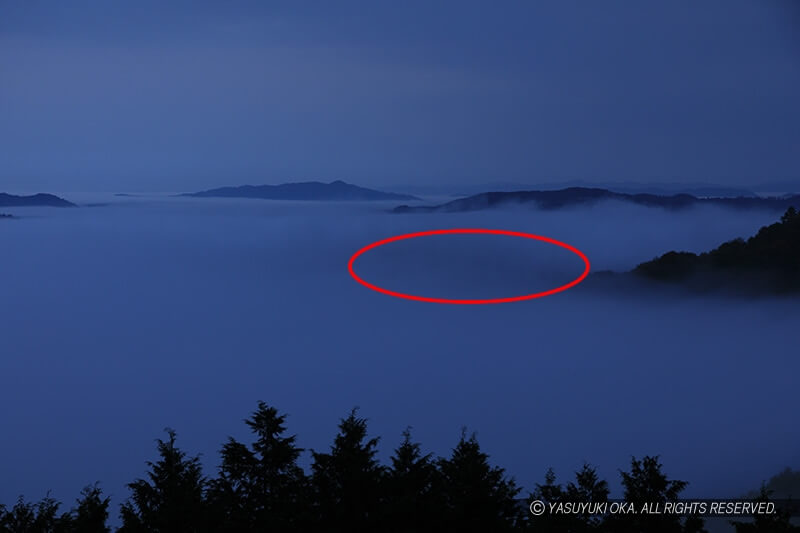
[(120, 320)]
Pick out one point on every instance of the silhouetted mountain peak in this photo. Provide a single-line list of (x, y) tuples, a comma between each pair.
[(41, 199), (307, 190)]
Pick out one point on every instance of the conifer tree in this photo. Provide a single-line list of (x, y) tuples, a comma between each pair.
[(646, 484), (779, 522), (587, 487), (478, 497), (261, 488), (414, 490), (549, 493), (789, 215), (348, 481), (91, 513), (172, 498), (29, 517)]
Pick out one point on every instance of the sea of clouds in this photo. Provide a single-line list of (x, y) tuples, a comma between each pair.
[(119, 320)]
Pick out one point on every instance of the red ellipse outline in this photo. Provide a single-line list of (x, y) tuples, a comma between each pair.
[(469, 301)]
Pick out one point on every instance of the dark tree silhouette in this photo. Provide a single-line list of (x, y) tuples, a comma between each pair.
[(29, 517), (263, 488), (789, 215), (646, 484), (348, 481), (766, 523), (89, 516), (547, 492), (21, 517), (91, 513), (172, 498), (414, 490), (587, 487), (477, 496)]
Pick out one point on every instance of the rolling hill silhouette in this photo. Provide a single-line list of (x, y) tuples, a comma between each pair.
[(310, 190), (576, 196), (10, 200), (767, 261)]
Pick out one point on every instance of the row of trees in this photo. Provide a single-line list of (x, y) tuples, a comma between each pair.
[(260, 487), (768, 261)]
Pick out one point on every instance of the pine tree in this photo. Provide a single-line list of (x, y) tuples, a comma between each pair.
[(779, 522), (348, 481), (172, 498), (549, 493), (646, 484), (414, 490), (29, 517), (263, 488), (789, 215), (21, 517), (91, 513), (587, 487), (478, 497)]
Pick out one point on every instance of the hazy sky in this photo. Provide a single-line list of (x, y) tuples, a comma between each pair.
[(144, 96)]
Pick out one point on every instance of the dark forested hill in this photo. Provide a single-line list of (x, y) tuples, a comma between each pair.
[(783, 485), (587, 196), (310, 190), (10, 200), (768, 260)]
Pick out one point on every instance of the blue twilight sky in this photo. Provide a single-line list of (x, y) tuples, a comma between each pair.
[(170, 96)]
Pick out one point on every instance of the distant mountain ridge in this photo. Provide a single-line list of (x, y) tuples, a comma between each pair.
[(309, 190), (628, 187), (587, 196), (41, 199)]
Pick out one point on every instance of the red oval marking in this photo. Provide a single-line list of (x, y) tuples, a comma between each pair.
[(469, 301)]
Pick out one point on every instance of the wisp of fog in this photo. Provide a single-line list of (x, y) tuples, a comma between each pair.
[(120, 320)]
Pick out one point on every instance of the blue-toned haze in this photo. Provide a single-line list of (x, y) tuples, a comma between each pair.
[(126, 314), (150, 312), (183, 96)]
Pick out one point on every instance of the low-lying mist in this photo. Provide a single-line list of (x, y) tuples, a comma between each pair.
[(118, 321)]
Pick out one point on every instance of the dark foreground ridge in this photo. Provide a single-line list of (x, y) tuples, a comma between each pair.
[(766, 262), (309, 190), (260, 486), (582, 196), (50, 200)]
